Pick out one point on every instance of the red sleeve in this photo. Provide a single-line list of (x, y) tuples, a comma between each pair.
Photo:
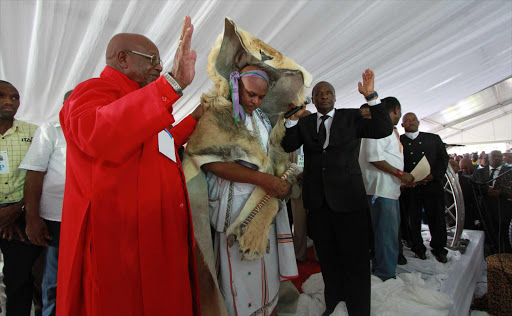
[(107, 125), (182, 131)]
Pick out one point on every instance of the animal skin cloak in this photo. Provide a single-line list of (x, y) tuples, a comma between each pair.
[(219, 138), (127, 243)]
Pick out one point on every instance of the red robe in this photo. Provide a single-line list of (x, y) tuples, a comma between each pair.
[(127, 243)]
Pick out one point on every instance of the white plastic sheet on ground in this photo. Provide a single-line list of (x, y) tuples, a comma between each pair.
[(408, 294)]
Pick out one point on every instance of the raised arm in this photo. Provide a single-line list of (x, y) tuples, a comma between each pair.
[(110, 128), (379, 125)]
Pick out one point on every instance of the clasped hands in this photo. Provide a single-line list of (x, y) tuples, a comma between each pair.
[(427, 179), (276, 186)]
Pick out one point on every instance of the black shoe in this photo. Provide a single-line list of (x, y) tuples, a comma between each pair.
[(401, 259), (441, 257), (421, 255)]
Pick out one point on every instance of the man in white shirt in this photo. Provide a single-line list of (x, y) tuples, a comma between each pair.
[(45, 163), (382, 162)]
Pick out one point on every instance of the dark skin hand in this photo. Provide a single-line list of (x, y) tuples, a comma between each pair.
[(37, 232), (236, 172), (10, 231), (9, 214), (299, 178), (493, 192), (427, 179), (406, 178), (300, 113), (35, 228)]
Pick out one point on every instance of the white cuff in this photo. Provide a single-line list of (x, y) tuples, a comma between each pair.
[(374, 102), (289, 123)]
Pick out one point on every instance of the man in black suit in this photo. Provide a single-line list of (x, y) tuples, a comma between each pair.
[(333, 189), (493, 197), (471, 218), (427, 194)]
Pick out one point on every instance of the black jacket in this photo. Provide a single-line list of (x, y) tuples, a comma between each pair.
[(503, 183), (334, 172), (431, 146)]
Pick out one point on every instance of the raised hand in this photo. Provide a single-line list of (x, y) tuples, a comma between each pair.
[(300, 113), (367, 87), (183, 68)]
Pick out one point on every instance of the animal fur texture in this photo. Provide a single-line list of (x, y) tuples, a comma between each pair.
[(217, 138), (234, 142)]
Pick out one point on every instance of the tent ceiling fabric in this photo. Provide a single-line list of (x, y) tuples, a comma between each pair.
[(483, 117), (429, 54)]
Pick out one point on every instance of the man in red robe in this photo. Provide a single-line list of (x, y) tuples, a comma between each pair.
[(127, 243)]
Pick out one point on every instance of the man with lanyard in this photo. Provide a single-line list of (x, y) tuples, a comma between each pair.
[(247, 286), (127, 244), (19, 254)]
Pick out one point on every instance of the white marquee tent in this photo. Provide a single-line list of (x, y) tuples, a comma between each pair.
[(447, 61)]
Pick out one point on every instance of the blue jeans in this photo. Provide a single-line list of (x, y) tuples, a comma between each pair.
[(49, 285), (385, 215)]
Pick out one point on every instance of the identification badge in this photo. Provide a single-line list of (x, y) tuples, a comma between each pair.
[(4, 162), (166, 144)]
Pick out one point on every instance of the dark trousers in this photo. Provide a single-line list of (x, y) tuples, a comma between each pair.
[(496, 214), (416, 199), (19, 257), (341, 242)]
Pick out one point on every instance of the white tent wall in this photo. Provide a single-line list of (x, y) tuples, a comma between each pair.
[(497, 130), (429, 54)]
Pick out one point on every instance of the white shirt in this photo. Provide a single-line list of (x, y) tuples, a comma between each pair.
[(412, 135), (376, 181), (328, 122), (48, 153)]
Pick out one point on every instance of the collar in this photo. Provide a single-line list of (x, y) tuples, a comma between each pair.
[(121, 79), (412, 135), (330, 114), (17, 124), (497, 168)]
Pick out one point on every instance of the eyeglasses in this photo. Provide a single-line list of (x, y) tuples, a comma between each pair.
[(155, 60)]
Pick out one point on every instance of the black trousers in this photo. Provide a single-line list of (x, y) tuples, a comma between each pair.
[(432, 201), (341, 242), (19, 257)]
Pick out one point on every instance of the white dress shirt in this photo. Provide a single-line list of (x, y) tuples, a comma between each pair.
[(47, 153), (495, 175), (376, 181)]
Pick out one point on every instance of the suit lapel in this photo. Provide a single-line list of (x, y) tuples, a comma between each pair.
[(335, 130), (312, 126)]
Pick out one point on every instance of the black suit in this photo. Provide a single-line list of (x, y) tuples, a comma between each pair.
[(470, 208), (496, 211), (429, 196), (334, 194)]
